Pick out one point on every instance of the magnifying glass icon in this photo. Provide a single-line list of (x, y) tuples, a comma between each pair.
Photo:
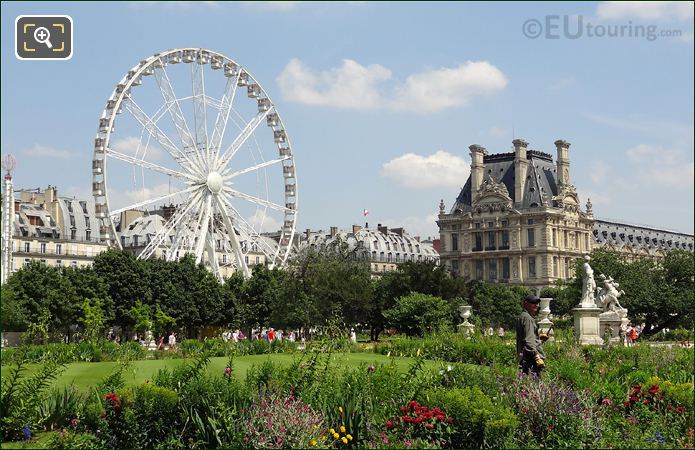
[(43, 36)]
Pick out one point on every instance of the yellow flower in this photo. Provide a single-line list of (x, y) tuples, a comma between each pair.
[(340, 408), (349, 436), (336, 435), (323, 438), (344, 439), (312, 443), (332, 431), (342, 428)]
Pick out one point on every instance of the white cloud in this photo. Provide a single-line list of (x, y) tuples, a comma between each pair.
[(43, 151), (657, 11), (440, 169), (354, 86), (263, 225), (424, 227), (599, 170), (434, 90), (131, 145), (662, 166)]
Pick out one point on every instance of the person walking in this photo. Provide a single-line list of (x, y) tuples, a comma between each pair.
[(172, 342), (529, 347)]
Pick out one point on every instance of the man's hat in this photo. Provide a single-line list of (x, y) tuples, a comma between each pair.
[(532, 299)]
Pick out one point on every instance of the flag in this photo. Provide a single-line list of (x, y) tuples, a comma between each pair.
[(365, 212)]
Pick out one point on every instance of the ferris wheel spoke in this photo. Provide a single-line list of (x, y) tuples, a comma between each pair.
[(177, 117), (212, 257), (171, 224), (243, 136), (250, 231), (152, 201), (149, 165), (227, 176), (153, 129), (231, 233), (256, 200), (203, 231), (223, 114), (200, 115)]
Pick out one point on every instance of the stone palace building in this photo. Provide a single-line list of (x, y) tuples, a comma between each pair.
[(518, 219)]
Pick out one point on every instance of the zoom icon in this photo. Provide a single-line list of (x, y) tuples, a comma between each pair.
[(43, 37)]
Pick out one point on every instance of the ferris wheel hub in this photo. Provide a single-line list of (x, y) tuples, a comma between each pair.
[(214, 182)]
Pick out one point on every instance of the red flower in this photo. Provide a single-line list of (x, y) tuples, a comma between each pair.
[(429, 426), (680, 410), (626, 403), (450, 419), (646, 401), (633, 398), (389, 424)]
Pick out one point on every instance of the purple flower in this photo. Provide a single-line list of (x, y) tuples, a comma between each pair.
[(27, 431)]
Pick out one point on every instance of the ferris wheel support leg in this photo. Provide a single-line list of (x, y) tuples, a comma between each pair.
[(236, 248)]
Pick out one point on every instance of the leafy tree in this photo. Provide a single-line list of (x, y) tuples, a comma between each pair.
[(140, 315), (498, 304), (38, 286), (126, 279), (94, 319), (13, 314), (416, 313), (162, 321)]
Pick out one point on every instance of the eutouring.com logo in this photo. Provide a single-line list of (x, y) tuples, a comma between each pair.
[(576, 27)]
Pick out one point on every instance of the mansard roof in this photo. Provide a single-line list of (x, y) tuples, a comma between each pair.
[(621, 235), (540, 186)]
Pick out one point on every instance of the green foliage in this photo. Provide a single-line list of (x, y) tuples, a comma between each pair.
[(60, 406), (478, 421), (162, 321), (93, 319), (154, 407), (497, 304), (140, 314), (416, 314), (13, 316), (21, 395)]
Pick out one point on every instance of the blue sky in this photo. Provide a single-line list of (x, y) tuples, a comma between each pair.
[(382, 100)]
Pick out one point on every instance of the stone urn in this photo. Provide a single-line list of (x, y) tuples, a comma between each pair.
[(544, 323), (466, 327)]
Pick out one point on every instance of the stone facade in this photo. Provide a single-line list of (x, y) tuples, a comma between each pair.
[(517, 219)]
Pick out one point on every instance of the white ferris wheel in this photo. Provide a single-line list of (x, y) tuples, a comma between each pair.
[(191, 146)]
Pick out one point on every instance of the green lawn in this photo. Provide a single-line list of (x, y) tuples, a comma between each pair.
[(84, 375)]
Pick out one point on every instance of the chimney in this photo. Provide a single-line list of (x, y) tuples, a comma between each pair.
[(356, 229), (398, 231), (563, 162), (366, 225), (382, 230), (307, 232), (520, 169), (477, 167), (334, 231)]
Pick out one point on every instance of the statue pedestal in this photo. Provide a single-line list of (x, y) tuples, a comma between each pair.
[(587, 326), (610, 323), (466, 328)]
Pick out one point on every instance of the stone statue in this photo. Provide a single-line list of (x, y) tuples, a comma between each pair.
[(607, 296), (588, 285)]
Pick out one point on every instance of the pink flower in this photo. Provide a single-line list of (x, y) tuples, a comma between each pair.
[(407, 444), (227, 371), (606, 401)]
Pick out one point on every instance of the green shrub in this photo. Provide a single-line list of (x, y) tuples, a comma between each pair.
[(478, 421), (155, 410), (70, 439), (60, 407)]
